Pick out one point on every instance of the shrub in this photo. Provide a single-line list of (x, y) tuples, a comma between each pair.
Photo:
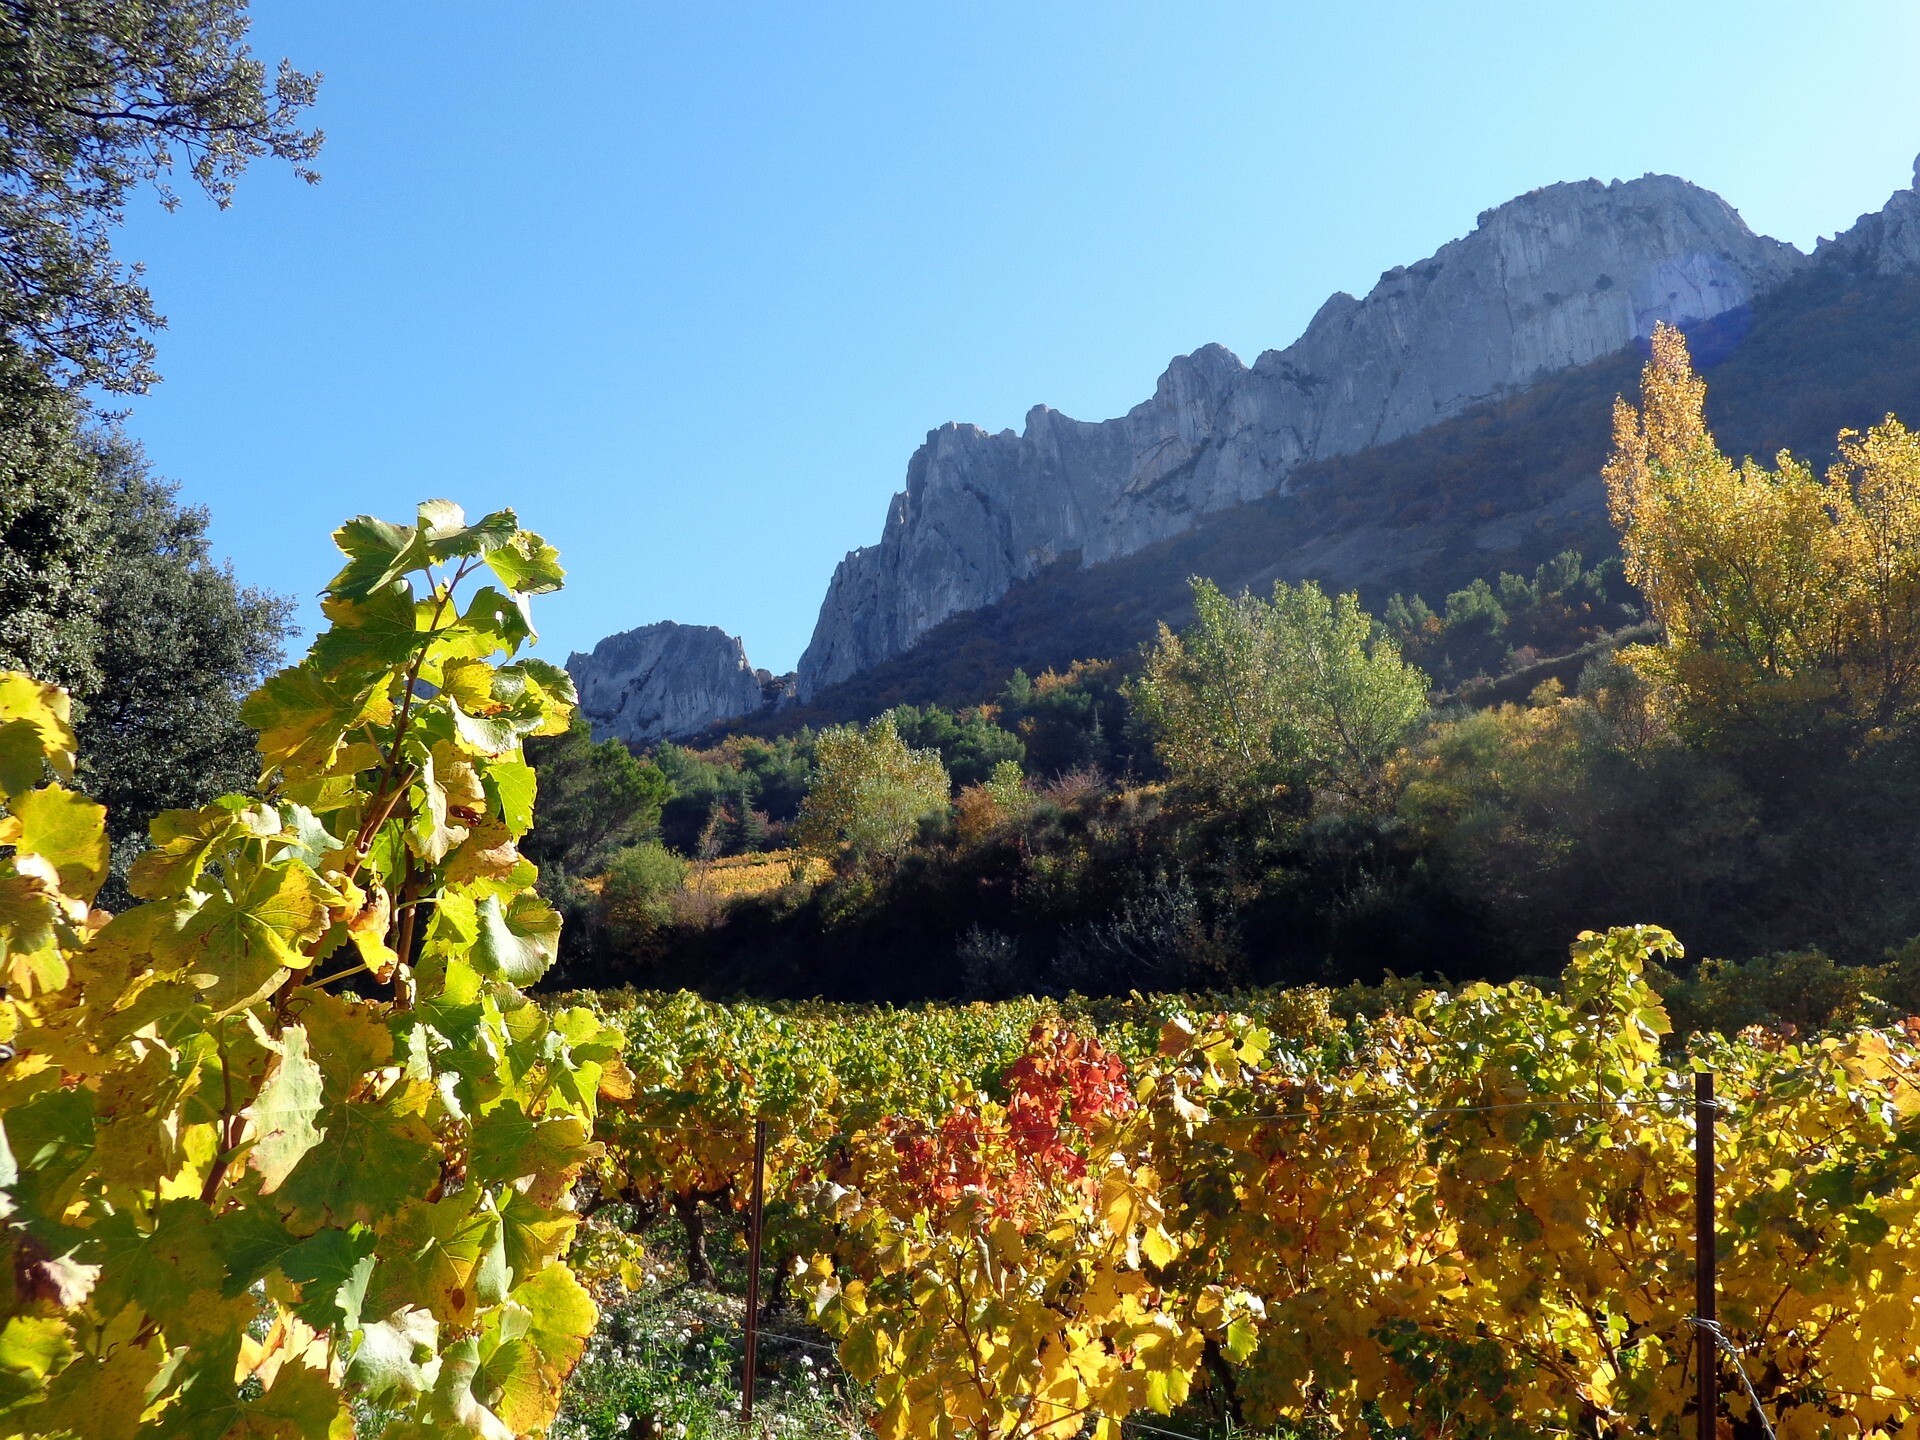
[(636, 897)]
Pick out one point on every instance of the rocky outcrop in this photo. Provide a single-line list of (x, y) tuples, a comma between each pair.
[(1553, 279), (667, 681), (1886, 242)]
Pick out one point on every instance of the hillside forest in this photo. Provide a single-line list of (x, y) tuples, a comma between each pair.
[(1706, 724)]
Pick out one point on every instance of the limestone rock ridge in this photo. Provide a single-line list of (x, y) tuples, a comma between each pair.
[(1556, 278), (667, 681)]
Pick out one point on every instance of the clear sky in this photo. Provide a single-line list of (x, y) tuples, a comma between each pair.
[(686, 284)]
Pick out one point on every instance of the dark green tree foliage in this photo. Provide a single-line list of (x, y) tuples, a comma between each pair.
[(777, 773), (51, 529), (98, 97), (1488, 628), (737, 778), (181, 643), (1803, 989), (594, 798), (969, 743), (1077, 720)]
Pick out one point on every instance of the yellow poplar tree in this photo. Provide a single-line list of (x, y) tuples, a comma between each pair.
[(1783, 593)]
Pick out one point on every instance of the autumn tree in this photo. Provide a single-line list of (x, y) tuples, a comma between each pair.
[(869, 792), (1302, 690), (1786, 596)]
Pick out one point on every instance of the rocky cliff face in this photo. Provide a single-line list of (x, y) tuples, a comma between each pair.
[(1553, 279), (666, 681), (1886, 242)]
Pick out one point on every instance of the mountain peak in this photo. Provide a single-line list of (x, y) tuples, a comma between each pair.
[(1551, 279), (665, 681)]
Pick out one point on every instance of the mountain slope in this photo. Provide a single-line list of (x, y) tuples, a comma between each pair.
[(1552, 280), (1503, 486), (1450, 424)]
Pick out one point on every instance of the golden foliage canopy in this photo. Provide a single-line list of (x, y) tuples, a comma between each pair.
[(1783, 593)]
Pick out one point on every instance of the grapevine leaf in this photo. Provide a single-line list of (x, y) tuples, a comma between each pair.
[(430, 835), (860, 1354), (240, 945), (526, 564), (548, 695), (349, 1038), (69, 832), (394, 1356), (510, 1376), (508, 619), (205, 1404), (488, 852), (183, 842), (101, 1398), (534, 1235), (454, 1402), (449, 535), (284, 1110), (172, 1179), (23, 756), (159, 1271), (516, 943), (51, 1138), (482, 735), (27, 915), (373, 1163), (302, 1404), (378, 553), (48, 712), (527, 1369), (556, 683), (302, 715), (470, 682), (367, 928), (448, 1257), (508, 1143), (251, 1241), (563, 1316), (512, 785), (1241, 1338), (32, 1347), (311, 842), (332, 1269), (380, 631), (439, 520)]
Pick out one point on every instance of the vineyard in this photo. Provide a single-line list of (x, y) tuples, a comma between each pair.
[(755, 874), (1472, 1218)]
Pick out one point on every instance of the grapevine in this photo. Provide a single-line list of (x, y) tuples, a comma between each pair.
[(288, 1134), (1472, 1218)]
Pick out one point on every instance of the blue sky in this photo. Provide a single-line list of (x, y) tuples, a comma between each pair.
[(687, 284)]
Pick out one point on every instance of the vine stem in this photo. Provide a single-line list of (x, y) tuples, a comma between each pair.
[(229, 1122), (377, 815)]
